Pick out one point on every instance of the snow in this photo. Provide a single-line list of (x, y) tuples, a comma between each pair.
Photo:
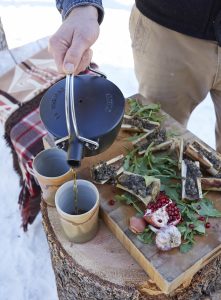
[(26, 272)]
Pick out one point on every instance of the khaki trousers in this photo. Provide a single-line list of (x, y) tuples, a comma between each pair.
[(175, 70)]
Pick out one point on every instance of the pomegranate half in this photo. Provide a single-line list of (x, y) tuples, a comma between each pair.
[(162, 212)]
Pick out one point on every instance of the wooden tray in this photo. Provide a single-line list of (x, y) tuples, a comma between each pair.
[(167, 269)]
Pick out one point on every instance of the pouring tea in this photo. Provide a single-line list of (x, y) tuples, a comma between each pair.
[(87, 111)]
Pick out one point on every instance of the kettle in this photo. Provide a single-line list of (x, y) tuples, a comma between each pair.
[(87, 110)]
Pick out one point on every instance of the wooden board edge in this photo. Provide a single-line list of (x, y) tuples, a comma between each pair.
[(136, 254), (187, 276)]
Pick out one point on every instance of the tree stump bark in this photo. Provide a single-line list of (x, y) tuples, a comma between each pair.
[(103, 269), (3, 41)]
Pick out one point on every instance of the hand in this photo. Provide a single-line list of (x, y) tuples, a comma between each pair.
[(70, 45)]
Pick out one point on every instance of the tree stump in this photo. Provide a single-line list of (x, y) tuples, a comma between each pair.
[(103, 269), (3, 42)]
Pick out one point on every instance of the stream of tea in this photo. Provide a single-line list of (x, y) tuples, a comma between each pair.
[(75, 189)]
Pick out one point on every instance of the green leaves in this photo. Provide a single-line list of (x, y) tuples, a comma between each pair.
[(150, 111), (199, 227), (160, 165), (192, 225), (129, 200), (205, 208), (135, 137), (164, 166), (186, 247), (173, 191), (147, 236)]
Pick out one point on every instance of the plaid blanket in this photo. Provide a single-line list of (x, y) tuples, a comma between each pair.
[(26, 137), (21, 90)]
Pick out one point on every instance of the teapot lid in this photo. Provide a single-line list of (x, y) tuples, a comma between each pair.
[(99, 107)]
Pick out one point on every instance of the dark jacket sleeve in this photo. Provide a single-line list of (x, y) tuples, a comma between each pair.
[(66, 6)]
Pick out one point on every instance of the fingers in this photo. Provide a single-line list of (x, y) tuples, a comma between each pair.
[(70, 59), (58, 47), (70, 45), (84, 62), (74, 54)]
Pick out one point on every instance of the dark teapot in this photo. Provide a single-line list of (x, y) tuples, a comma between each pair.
[(87, 109)]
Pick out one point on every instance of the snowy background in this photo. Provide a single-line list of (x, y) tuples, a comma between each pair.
[(25, 270)]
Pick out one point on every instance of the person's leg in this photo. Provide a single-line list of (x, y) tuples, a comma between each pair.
[(216, 97), (172, 69)]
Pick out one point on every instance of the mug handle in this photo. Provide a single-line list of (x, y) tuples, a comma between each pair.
[(31, 171)]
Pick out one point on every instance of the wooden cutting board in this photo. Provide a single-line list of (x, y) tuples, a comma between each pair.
[(167, 269)]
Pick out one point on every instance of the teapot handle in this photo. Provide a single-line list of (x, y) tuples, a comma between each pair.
[(96, 72), (70, 112)]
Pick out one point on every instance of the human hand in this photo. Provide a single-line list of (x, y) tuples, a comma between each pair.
[(70, 44)]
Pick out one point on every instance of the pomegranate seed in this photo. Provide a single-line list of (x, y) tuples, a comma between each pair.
[(111, 202), (201, 218), (208, 225), (191, 226)]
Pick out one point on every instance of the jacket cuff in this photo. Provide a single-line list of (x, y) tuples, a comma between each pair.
[(68, 5)]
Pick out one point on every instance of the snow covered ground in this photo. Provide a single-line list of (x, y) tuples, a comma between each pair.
[(26, 272)]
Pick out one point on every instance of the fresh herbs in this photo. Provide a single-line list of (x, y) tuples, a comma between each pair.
[(147, 236), (194, 215), (164, 166), (205, 208), (130, 200), (150, 111)]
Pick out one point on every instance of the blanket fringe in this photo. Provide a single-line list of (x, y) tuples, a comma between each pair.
[(29, 204)]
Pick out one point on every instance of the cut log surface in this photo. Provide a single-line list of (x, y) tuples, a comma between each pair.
[(103, 267)]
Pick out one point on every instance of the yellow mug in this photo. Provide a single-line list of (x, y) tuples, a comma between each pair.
[(51, 170), (82, 227)]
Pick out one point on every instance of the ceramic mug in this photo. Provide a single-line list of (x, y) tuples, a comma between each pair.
[(51, 170), (82, 227)]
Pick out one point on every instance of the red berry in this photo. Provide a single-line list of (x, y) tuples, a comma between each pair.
[(201, 218), (111, 202), (191, 226), (208, 225)]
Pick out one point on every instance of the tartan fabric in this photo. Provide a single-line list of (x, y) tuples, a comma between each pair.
[(26, 136), (21, 90)]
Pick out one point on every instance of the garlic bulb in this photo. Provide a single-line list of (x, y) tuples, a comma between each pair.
[(168, 237)]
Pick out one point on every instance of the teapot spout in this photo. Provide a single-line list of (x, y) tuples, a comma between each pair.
[(75, 152)]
